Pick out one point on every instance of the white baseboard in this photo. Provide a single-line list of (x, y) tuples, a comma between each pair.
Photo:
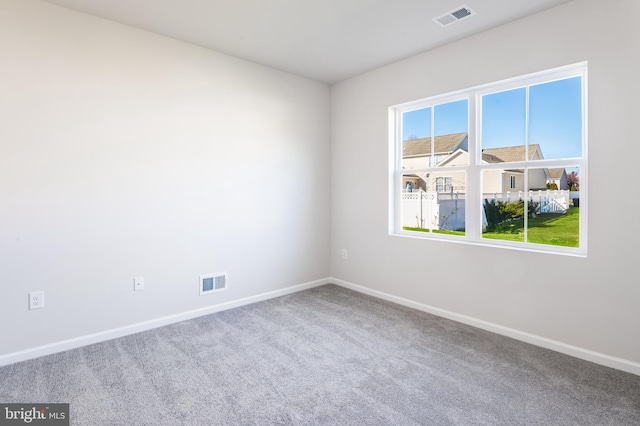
[(575, 351), (585, 354), (102, 336)]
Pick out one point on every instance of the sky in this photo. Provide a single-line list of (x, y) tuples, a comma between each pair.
[(555, 118)]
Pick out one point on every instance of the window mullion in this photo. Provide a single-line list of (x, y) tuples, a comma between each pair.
[(473, 213), (526, 169)]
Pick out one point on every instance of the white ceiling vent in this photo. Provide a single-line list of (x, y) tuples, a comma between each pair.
[(456, 15), (212, 283)]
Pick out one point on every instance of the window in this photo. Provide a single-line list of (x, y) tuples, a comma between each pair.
[(485, 165), (443, 184)]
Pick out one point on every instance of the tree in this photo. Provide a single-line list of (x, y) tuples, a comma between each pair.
[(574, 181)]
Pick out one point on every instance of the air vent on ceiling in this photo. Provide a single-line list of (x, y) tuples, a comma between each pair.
[(212, 283), (456, 15)]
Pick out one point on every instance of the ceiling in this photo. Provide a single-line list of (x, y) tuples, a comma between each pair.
[(327, 40)]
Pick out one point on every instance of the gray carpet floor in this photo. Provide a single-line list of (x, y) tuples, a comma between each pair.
[(325, 356)]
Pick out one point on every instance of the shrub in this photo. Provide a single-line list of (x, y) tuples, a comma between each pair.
[(499, 213)]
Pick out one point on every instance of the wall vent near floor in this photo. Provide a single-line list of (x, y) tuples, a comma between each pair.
[(456, 15), (211, 283)]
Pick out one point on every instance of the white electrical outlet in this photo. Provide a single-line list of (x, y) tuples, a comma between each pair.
[(138, 283), (36, 300), (345, 254)]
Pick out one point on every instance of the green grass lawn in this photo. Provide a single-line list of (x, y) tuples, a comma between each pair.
[(435, 231), (548, 228)]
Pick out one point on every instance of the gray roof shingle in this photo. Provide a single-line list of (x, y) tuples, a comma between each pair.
[(556, 173), (507, 153), (444, 144)]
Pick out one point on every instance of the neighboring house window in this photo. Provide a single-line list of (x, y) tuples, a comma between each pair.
[(437, 159), (444, 184), (524, 127)]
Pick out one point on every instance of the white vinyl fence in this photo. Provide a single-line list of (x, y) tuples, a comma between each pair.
[(433, 210), (549, 201), (446, 210)]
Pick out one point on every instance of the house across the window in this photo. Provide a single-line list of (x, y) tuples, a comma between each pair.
[(522, 198), (452, 150)]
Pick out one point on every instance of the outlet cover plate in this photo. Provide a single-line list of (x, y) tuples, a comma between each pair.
[(138, 283), (36, 300)]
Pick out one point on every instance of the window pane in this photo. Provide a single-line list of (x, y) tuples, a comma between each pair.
[(504, 126), (418, 204), (451, 188), (554, 217), (416, 138), (451, 127), (427, 209), (555, 118), (503, 207)]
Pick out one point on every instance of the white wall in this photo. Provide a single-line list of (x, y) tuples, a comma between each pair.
[(589, 303), (125, 153)]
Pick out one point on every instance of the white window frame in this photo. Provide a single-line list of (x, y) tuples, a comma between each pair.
[(473, 171)]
